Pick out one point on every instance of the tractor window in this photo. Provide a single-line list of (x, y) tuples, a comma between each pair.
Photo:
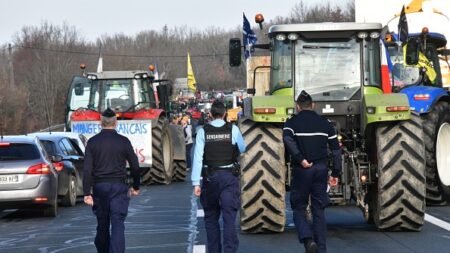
[(79, 93), (402, 74), (372, 63), (122, 95), (281, 65), (328, 70), (115, 93)]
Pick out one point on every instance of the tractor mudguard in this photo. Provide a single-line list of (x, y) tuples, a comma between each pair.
[(376, 105), (179, 146), (422, 98), (152, 114), (277, 108)]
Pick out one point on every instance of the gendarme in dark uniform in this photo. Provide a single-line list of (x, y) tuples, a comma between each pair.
[(217, 146), (307, 137), (104, 183)]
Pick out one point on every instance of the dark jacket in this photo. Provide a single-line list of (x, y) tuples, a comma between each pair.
[(308, 135), (105, 160)]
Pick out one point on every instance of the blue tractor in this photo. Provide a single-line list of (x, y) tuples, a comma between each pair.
[(416, 69)]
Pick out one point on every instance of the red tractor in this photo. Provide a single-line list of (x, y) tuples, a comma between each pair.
[(141, 117)]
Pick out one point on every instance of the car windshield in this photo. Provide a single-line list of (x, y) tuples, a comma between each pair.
[(18, 151), (49, 147), (328, 70), (122, 94)]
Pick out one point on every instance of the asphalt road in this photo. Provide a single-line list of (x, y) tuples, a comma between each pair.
[(166, 219)]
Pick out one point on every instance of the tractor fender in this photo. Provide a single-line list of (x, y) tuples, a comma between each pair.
[(430, 96), (179, 146), (151, 114), (376, 105)]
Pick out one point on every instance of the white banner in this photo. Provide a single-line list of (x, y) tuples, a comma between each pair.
[(139, 132)]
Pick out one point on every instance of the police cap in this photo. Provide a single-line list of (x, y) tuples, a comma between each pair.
[(304, 97), (108, 113)]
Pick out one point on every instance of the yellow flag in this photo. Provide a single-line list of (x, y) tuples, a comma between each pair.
[(192, 84)]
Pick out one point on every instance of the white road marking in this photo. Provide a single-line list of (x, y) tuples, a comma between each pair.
[(438, 222), (200, 213), (193, 225), (199, 249)]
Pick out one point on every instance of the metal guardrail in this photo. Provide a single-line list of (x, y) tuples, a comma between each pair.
[(61, 127)]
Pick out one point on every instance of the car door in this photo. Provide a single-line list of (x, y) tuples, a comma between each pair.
[(69, 168), (75, 155)]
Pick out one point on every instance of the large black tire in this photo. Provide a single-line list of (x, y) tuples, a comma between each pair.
[(262, 179), (179, 171), (401, 187), (70, 199), (146, 176), (438, 193), (162, 154)]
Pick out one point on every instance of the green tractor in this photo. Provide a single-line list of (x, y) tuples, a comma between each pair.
[(383, 152)]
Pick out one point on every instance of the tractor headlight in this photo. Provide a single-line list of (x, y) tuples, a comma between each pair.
[(374, 35), (362, 35), (92, 77), (293, 36), (290, 111), (281, 37)]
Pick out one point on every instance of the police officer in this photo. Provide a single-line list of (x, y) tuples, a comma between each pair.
[(104, 183), (216, 150), (306, 136)]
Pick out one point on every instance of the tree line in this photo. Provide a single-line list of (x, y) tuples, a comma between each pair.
[(45, 58)]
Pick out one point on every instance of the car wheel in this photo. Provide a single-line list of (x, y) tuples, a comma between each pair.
[(52, 211), (70, 199)]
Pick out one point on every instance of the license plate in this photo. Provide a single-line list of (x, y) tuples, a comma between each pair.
[(9, 179)]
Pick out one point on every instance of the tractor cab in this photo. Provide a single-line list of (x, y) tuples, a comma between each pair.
[(130, 94), (418, 62)]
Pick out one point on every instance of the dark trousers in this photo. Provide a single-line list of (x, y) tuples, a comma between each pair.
[(188, 155), (111, 202), (221, 195), (305, 183)]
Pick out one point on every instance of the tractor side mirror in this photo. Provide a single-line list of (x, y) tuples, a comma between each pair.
[(444, 52), (235, 52), (79, 89), (412, 52)]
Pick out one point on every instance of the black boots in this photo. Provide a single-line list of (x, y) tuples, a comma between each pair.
[(310, 246)]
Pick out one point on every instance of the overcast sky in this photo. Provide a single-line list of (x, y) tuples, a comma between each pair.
[(94, 18)]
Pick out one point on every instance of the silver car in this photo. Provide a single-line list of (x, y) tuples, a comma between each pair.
[(28, 177)]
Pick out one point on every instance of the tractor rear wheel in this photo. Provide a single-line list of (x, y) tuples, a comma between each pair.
[(436, 126), (179, 171), (263, 175), (162, 153), (400, 203)]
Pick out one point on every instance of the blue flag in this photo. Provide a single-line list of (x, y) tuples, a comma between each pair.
[(249, 38), (403, 27)]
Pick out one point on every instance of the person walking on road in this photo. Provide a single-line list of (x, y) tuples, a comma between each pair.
[(104, 183), (306, 137), (187, 130), (216, 150)]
